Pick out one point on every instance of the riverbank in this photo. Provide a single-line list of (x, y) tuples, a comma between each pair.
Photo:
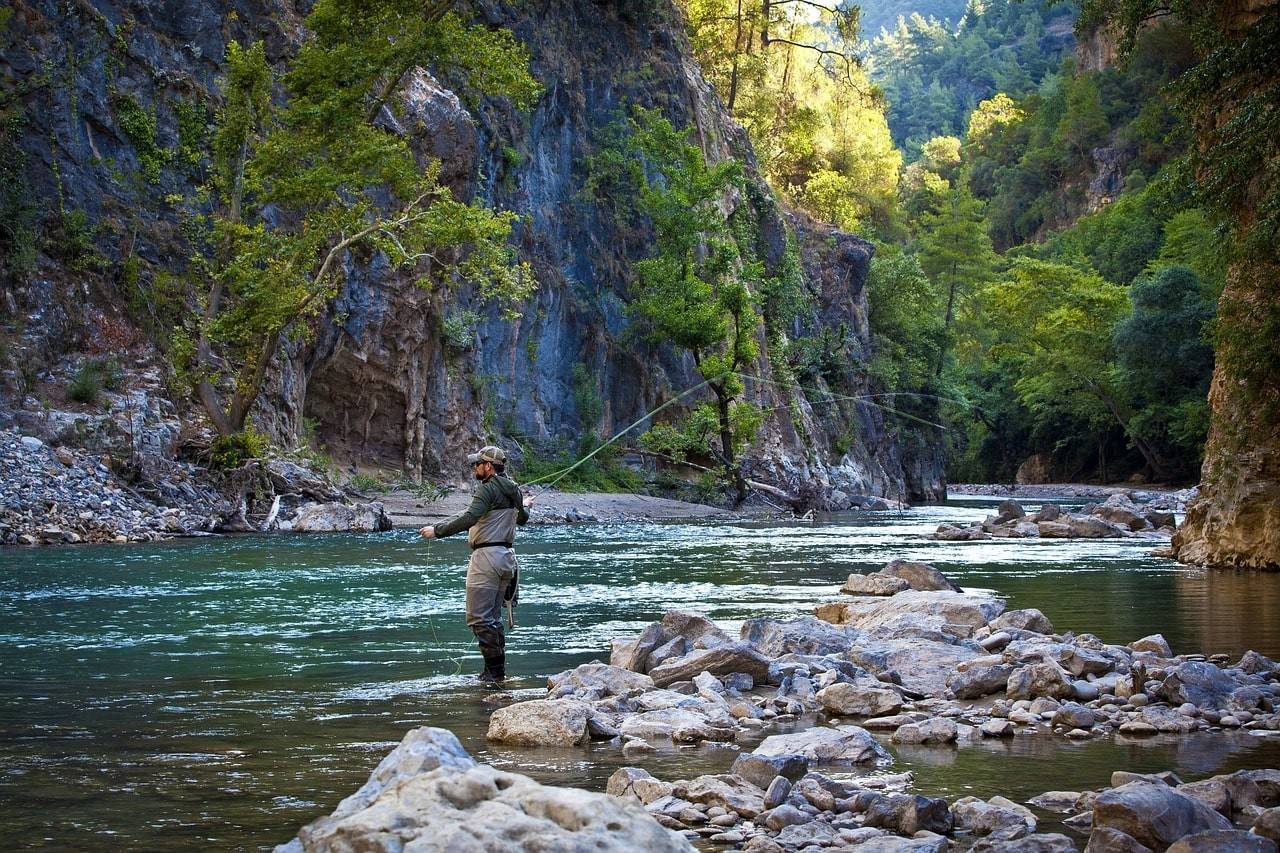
[(927, 666), (1158, 497), (411, 510)]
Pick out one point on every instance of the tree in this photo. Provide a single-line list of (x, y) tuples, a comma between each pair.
[(1055, 327), (697, 290), (298, 184), (954, 249), (1165, 359)]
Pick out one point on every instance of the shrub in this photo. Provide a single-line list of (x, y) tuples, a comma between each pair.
[(231, 451), (93, 377)]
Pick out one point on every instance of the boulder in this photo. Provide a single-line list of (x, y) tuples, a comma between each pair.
[(674, 648), (728, 791), (1198, 682), (1092, 527), (907, 814), (1041, 843), (1105, 839), (874, 585), (698, 631), (761, 770), (1212, 793), (636, 655), (622, 782), (1267, 825), (956, 533), (428, 795), (334, 517), (1223, 841), (1073, 716), (1054, 530), (1156, 644), (839, 744), (853, 700), (927, 843), (596, 680), (541, 722), (666, 722), (919, 665), (978, 681), (805, 636), (920, 576), (1154, 815), (1039, 679), (723, 659), (1028, 619), (1009, 510), (1048, 512), (935, 730), (947, 608), (998, 815)]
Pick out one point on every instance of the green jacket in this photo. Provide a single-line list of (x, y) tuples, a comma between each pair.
[(496, 508)]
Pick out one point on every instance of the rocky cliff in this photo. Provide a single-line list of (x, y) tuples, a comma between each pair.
[(105, 101)]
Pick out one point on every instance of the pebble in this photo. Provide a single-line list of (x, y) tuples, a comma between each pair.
[(1138, 700)]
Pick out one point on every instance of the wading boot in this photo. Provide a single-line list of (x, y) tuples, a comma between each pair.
[(494, 669)]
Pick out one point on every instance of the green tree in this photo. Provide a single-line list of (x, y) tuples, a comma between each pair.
[(697, 290), (298, 183), (1166, 361), (1055, 327), (955, 250)]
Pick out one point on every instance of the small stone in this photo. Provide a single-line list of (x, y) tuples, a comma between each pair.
[(1138, 700), (777, 792)]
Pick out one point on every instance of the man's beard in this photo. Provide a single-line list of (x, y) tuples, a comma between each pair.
[(478, 475)]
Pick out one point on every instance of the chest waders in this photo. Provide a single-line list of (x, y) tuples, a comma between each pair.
[(491, 573)]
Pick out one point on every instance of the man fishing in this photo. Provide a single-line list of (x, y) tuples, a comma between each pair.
[(492, 574)]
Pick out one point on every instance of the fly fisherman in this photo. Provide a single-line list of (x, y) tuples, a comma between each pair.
[(492, 574)]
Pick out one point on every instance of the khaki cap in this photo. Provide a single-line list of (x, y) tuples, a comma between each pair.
[(488, 453)]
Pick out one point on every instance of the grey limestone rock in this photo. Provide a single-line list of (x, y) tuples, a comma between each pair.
[(541, 722), (1154, 815)]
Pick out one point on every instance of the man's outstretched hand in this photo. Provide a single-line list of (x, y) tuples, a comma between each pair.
[(528, 499), (427, 532)]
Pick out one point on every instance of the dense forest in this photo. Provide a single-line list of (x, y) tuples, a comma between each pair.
[(1044, 285)]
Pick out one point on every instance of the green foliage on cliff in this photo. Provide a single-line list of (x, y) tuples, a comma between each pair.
[(302, 185)]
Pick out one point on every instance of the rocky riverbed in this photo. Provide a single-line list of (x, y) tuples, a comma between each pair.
[(808, 699), (1118, 517)]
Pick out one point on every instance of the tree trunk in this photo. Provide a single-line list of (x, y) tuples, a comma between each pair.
[(737, 47), (731, 468)]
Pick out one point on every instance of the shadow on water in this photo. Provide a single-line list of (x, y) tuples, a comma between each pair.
[(222, 692)]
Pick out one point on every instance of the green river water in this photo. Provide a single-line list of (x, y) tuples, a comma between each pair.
[(218, 693)]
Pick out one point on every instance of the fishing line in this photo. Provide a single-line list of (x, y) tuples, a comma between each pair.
[(431, 625), (556, 476)]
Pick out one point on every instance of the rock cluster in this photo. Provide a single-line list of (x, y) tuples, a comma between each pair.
[(1231, 813), (60, 495), (903, 668), (55, 495), (429, 795), (1117, 517)]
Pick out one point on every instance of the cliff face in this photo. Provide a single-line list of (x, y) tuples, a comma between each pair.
[(398, 375), (1234, 522)]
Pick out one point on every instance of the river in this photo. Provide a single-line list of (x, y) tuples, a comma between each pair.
[(218, 693)]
